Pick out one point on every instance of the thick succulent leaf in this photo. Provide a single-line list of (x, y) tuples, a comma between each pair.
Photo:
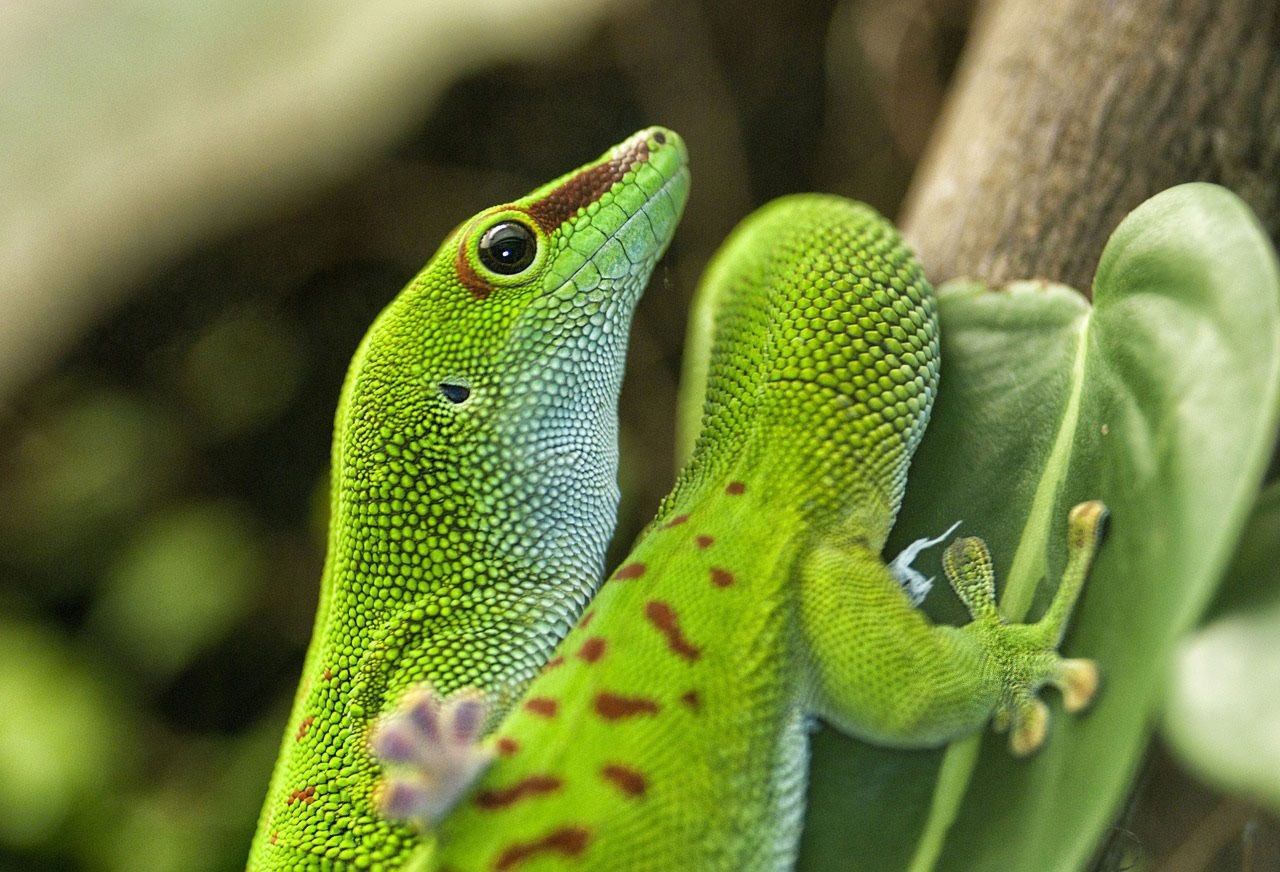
[(1223, 711), (1161, 399)]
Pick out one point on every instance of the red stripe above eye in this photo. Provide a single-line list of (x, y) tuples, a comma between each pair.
[(560, 204), (479, 288), (585, 187)]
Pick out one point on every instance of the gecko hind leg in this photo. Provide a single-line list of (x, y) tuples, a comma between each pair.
[(430, 746), (1027, 653)]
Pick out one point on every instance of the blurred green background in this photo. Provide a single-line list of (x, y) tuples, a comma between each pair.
[(202, 207)]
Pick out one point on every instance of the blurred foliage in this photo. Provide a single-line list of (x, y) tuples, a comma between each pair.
[(62, 735), (124, 122), (204, 207), (1223, 715)]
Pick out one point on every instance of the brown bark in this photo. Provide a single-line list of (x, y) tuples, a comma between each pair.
[(1066, 114)]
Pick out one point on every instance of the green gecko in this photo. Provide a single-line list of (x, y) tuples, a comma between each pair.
[(668, 731), (474, 482)]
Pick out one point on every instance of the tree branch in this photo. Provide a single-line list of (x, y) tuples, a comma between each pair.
[(1066, 114)]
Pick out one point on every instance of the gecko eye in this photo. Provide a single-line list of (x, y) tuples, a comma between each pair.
[(508, 247), (455, 393)]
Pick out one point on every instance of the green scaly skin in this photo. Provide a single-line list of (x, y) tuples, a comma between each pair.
[(668, 731), (473, 492)]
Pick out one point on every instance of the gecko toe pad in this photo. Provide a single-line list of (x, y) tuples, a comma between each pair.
[(1078, 680), (1030, 725), (431, 749)]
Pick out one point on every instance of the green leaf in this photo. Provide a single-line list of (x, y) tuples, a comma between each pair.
[(1223, 712), (1161, 399)]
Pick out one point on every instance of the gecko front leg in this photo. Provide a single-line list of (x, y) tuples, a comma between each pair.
[(430, 749)]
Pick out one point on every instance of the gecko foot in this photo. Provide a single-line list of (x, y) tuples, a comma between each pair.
[(1025, 656), (430, 746)]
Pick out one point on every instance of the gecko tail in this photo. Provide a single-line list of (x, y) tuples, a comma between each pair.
[(431, 751)]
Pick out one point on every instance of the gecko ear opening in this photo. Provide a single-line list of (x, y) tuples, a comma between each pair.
[(455, 392)]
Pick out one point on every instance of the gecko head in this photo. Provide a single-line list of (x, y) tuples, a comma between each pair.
[(498, 366)]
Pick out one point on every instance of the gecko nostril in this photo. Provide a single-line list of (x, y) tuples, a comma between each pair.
[(660, 138)]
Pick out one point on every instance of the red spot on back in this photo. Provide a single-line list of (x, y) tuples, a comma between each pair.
[(612, 706), (304, 726), (629, 781), (328, 674), (675, 522), (592, 649), (721, 577), (541, 705), (275, 837), (307, 795), (631, 570), (534, 785), (735, 488), (704, 542), (566, 841), (664, 617), (507, 746), (553, 663), (586, 619), (691, 699)]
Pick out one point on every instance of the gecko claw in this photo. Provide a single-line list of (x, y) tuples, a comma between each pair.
[(431, 748)]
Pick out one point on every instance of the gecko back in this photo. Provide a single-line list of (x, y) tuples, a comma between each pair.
[(824, 360)]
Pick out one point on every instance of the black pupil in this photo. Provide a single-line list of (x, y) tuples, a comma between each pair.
[(455, 393), (507, 248)]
